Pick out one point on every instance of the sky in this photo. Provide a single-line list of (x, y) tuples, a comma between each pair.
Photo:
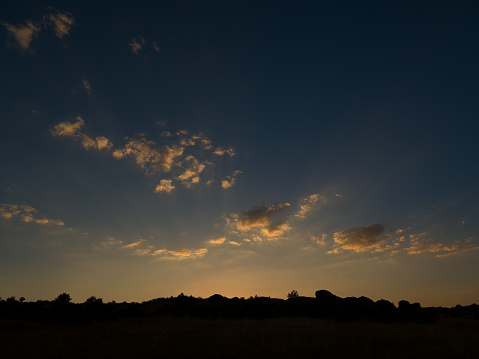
[(241, 148)]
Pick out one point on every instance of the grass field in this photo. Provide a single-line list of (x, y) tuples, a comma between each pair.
[(271, 338)]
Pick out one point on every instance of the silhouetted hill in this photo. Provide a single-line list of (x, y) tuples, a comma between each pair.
[(324, 305)]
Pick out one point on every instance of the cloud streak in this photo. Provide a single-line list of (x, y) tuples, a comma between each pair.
[(142, 248), (230, 181), (308, 204), (73, 129), (25, 213), (183, 157), (23, 34), (61, 21)]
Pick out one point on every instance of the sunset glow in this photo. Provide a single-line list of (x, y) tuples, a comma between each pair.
[(239, 148)]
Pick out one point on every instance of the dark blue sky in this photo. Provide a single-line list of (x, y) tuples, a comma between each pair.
[(199, 141)]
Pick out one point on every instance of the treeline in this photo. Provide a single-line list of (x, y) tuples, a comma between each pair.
[(324, 305)]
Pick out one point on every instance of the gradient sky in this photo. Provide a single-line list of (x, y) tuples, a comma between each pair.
[(240, 148)]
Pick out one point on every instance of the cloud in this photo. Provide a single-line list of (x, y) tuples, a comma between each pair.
[(358, 239), (110, 242), (320, 241), (308, 204), (149, 156), (193, 169), (220, 240), (186, 158), (181, 254), (136, 46), (23, 34), (220, 151), (165, 186), (73, 129), (261, 218), (421, 243), (99, 143), (134, 244), (275, 230), (142, 248), (68, 129), (26, 214), (62, 22), (230, 181), (87, 86)]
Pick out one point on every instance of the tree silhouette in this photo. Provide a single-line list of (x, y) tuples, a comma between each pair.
[(293, 294), (63, 298)]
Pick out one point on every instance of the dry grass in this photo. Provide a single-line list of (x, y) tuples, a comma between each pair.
[(273, 338)]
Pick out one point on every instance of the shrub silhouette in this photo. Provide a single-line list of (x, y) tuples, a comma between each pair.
[(293, 294)]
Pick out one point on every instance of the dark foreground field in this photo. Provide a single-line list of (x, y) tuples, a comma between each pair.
[(245, 338)]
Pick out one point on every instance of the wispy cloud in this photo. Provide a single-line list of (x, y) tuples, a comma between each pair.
[(230, 181), (87, 86), (181, 254), (134, 244), (73, 129), (149, 156), (186, 158), (220, 240), (309, 203), (62, 22), (136, 44), (422, 243), (142, 248), (220, 151), (23, 34), (25, 213)]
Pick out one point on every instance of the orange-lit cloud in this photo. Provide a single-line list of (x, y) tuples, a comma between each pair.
[(23, 34), (262, 219), (98, 143), (178, 156), (422, 243), (230, 181), (136, 45), (358, 239), (220, 240), (25, 213), (62, 22), (73, 129), (181, 254), (142, 248), (149, 156), (68, 129), (134, 244), (192, 171), (220, 151), (165, 186), (309, 203)]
